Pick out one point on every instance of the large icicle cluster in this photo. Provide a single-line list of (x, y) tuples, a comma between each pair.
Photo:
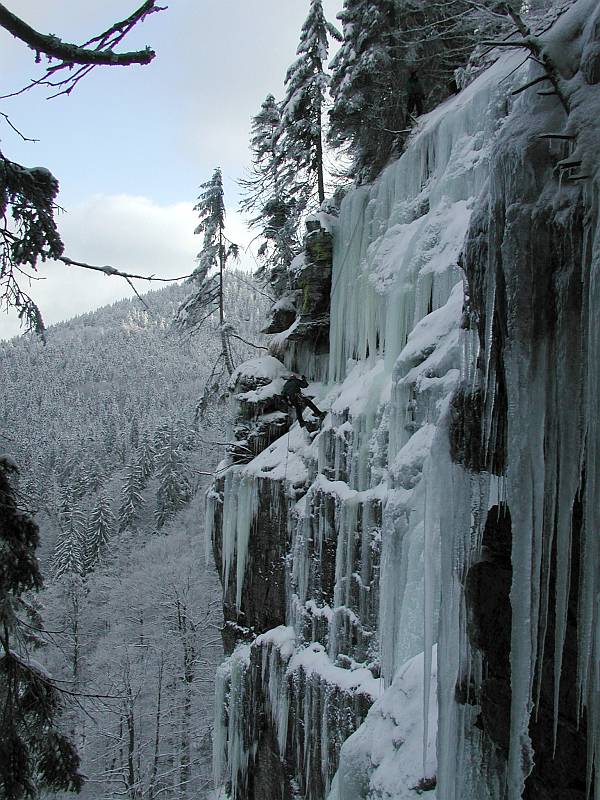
[(432, 550)]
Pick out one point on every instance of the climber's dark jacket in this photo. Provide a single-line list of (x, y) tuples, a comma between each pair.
[(293, 386), (292, 393)]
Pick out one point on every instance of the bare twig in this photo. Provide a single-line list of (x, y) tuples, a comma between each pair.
[(251, 285), (251, 344), (16, 130), (137, 294), (531, 83)]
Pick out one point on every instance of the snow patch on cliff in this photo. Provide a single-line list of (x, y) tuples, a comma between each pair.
[(385, 758)]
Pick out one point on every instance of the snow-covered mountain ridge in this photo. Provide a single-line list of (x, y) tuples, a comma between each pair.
[(447, 510)]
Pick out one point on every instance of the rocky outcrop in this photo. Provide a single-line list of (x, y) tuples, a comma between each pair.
[(301, 311)]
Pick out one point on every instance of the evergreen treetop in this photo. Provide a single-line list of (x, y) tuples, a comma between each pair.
[(306, 84), (274, 194), (217, 249), (365, 85)]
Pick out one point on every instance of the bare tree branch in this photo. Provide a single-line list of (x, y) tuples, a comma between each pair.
[(107, 270), (137, 294), (103, 55), (86, 56), (257, 346), (16, 130)]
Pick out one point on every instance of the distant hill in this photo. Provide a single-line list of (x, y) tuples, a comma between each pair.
[(76, 410)]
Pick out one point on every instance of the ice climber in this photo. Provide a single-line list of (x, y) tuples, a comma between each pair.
[(292, 394), (415, 94)]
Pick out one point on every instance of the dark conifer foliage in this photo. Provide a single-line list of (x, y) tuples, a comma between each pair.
[(366, 80), (34, 754), (384, 41), (29, 196)]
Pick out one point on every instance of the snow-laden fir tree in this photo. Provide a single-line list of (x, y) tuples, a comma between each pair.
[(273, 193), (69, 550), (217, 249), (302, 110), (146, 460), (383, 42), (100, 528), (174, 489), (131, 497)]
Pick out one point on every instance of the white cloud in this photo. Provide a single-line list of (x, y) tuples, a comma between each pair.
[(130, 233)]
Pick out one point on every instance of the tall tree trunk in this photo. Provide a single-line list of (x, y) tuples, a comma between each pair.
[(129, 775), (225, 348), (154, 773), (320, 181), (319, 144)]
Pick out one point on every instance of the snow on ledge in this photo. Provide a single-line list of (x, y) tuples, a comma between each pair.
[(315, 661), (384, 757)]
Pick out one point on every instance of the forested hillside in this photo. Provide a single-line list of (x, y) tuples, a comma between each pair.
[(101, 421)]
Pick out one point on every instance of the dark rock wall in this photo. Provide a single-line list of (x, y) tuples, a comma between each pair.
[(263, 593)]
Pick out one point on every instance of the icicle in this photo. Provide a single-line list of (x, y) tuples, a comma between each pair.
[(588, 622), (230, 752), (434, 481), (525, 479), (240, 502)]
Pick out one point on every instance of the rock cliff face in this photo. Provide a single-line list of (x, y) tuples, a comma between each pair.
[(411, 588)]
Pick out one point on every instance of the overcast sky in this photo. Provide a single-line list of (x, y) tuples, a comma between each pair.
[(131, 145)]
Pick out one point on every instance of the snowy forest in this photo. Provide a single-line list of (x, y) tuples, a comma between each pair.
[(329, 530)]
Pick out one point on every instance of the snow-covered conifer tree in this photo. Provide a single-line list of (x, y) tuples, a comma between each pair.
[(365, 83), (306, 84), (145, 463), (34, 754), (384, 41), (99, 531), (273, 193), (131, 497), (69, 549), (217, 249), (174, 488)]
